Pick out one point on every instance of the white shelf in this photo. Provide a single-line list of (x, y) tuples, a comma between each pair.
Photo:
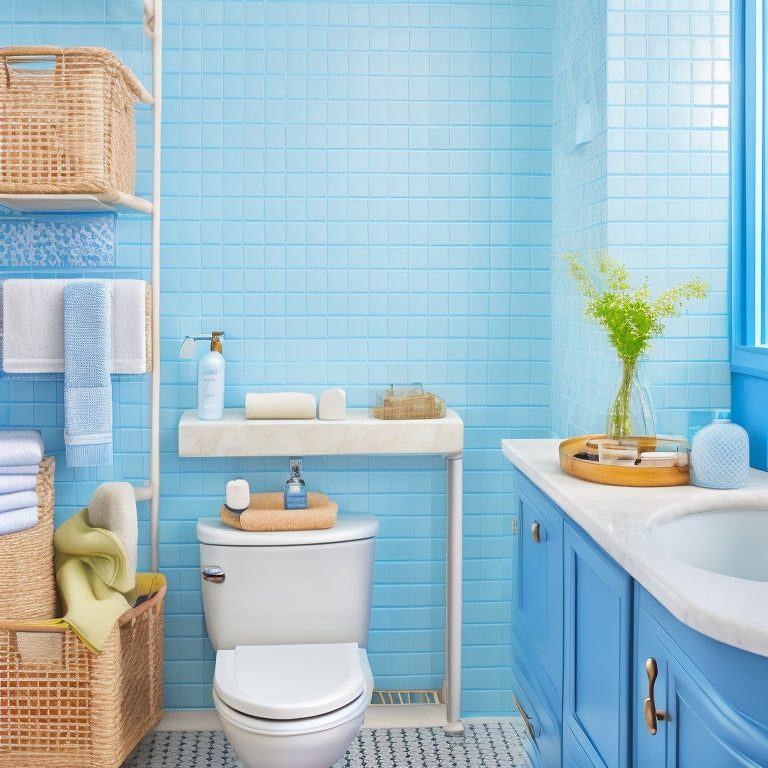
[(81, 203), (359, 434)]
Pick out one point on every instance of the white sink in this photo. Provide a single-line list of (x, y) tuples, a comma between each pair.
[(733, 542)]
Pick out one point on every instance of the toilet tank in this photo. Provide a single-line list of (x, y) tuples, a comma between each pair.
[(282, 587)]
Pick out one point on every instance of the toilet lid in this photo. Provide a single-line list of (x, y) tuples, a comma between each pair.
[(285, 682)]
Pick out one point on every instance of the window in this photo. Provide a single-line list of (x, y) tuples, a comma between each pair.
[(748, 217)]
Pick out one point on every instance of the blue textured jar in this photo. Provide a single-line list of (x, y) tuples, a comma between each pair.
[(720, 454)]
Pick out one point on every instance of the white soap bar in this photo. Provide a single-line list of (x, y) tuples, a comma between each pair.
[(333, 405), (238, 495), (280, 405)]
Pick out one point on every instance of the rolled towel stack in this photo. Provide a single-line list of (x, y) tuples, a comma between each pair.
[(21, 451)]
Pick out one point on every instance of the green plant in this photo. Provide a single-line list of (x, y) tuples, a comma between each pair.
[(630, 317)]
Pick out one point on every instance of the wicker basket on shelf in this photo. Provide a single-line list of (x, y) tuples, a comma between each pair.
[(68, 122), (28, 583), (64, 706)]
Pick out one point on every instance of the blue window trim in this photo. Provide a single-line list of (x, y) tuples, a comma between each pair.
[(748, 353)]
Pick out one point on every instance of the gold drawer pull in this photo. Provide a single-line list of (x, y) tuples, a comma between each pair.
[(651, 713), (536, 532)]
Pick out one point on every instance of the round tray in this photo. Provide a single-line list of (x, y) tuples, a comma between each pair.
[(610, 474)]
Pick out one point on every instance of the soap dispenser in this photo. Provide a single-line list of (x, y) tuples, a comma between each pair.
[(720, 454), (295, 494), (210, 382)]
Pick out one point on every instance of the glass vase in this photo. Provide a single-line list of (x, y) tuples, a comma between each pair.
[(630, 414)]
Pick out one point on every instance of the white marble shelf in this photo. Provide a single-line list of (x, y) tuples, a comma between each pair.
[(98, 202), (359, 433)]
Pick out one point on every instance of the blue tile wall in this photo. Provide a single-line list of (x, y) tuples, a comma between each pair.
[(357, 194), (657, 197), (361, 193)]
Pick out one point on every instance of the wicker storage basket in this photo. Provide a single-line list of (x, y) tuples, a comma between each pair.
[(70, 128), (64, 706), (28, 583)]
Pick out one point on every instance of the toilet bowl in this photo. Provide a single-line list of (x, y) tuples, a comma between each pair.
[(292, 705), (288, 615)]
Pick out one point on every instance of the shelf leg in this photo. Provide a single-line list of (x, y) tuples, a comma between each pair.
[(452, 685)]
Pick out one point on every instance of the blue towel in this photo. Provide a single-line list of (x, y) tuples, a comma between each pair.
[(18, 520), (16, 483), (12, 501), (87, 363), (20, 446)]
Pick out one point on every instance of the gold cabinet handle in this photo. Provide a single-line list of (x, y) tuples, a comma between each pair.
[(651, 713), (526, 720), (536, 532)]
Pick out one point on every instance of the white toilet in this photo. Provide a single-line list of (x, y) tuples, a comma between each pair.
[(288, 614)]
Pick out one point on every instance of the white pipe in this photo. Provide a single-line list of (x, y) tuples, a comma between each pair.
[(154, 417), (453, 597)]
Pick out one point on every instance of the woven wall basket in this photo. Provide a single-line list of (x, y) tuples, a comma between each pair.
[(27, 580), (68, 122)]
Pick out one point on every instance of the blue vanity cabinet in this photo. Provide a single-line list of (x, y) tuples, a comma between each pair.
[(537, 620), (709, 700), (598, 664)]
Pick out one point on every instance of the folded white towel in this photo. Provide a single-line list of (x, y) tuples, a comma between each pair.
[(20, 447), (18, 520), (21, 469), (16, 483), (20, 500), (33, 326), (280, 405)]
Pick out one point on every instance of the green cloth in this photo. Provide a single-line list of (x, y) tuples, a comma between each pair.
[(95, 581)]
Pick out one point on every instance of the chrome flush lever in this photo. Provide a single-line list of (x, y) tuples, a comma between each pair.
[(213, 573)]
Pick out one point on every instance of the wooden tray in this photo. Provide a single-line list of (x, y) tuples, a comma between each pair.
[(266, 513), (609, 474)]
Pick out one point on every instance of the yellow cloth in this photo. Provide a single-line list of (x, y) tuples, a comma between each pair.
[(95, 582)]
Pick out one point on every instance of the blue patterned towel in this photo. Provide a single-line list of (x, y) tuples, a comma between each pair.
[(20, 446), (87, 363)]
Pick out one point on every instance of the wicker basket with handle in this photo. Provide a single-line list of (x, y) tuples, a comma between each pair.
[(27, 580), (64, 706), (68, 122)]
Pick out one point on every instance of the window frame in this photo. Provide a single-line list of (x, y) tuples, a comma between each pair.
[(749, 334)]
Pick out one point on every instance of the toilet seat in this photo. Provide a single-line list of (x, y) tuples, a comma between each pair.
[(289, 682)]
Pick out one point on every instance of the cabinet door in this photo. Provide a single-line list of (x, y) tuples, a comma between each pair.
[(597, 687), (697, 725), (537, 610)]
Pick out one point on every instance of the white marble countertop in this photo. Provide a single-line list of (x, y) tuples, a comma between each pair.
[(358, 433), (621, 520)]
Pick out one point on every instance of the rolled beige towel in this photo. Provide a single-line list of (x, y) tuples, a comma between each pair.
[(280, 405)]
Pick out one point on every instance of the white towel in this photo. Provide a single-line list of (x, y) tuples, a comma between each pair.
[(21, 469), (19, 447), (129, 353), (12, 501), (33, 326), (18, 520), (280, 405), (16, 483)]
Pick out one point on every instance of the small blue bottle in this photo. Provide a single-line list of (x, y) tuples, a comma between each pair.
[(720, 454), (295, 494)]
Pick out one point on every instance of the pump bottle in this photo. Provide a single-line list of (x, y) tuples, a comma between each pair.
[(210, 382)]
